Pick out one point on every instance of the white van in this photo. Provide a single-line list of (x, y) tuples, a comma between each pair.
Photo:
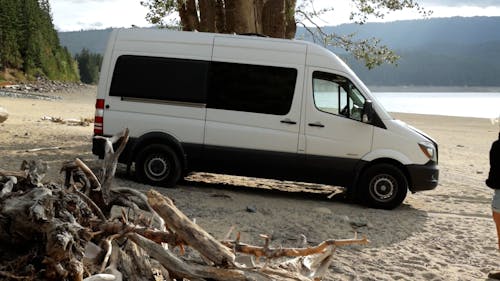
[(253, 106)]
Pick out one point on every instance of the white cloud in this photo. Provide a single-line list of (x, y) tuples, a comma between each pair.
[(458, 3), (84, 14)]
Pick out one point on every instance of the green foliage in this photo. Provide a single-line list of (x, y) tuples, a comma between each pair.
[(29, 42), (89, 65), (368, 51)]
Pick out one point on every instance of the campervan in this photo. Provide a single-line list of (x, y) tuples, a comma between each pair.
[(254, 106)]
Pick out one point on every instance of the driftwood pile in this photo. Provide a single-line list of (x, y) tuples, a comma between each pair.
[(67, 232)]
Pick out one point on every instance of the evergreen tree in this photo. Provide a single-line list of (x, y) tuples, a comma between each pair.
[(89, 65), (29, 42), (10, 56)]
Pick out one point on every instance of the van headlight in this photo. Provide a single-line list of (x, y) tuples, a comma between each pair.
[(428, 149)]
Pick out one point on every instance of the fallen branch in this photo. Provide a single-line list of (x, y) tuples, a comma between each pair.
[(17, 174), (110, 161), (43, 148), (272, 253), (90, 175)]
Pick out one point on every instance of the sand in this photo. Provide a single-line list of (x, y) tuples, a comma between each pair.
[(443, 234)]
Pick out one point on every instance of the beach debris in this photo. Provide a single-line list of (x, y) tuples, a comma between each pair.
[(43, 148), (251, 209), (70, 121), (69, 231), (358, 223), (220, 195), (4, 115)]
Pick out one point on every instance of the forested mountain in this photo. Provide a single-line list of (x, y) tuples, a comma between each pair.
[(29, 44), (434, 52), (92, 40)]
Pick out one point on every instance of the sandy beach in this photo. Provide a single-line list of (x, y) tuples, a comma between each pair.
[(443, 234)]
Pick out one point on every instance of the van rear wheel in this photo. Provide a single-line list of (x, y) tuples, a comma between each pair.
[(158, 164), (383, 186)]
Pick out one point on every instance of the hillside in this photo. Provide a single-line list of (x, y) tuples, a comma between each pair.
[(434, 52), (29, 45), (93, 40)]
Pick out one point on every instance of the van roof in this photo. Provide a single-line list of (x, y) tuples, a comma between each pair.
[(316, 55)]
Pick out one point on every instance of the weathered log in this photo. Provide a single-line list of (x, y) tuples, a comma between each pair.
[(156, 236), (181, 269), (17, 174), (97, 211), (272, 253), (8, 186), (140, 200), (51, 216), (189, 232), (90, 175), (35, 171), (110, 161)]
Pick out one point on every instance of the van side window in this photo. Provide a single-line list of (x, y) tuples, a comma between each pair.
[(160, 78), (251, 88), (335, 94)]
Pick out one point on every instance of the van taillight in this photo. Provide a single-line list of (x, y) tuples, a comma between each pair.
[(99, 117)]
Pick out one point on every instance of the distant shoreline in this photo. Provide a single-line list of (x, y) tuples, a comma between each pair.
[(426, 89)]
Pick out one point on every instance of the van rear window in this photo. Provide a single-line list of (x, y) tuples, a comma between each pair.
[(160, 78)]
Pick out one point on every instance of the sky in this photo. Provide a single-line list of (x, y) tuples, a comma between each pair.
[(70, 15)]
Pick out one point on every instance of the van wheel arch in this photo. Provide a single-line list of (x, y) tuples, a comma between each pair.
[(394, 170)]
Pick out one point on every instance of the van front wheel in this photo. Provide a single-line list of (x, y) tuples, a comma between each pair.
[(158, 164), (383, 186)]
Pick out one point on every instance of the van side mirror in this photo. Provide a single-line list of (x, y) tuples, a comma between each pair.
[(367, 111)]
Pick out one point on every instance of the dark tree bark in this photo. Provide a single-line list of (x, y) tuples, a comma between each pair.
[(188, 14), (273, 18), (207, 15), (290, 22), (240, 16), (220, 16)]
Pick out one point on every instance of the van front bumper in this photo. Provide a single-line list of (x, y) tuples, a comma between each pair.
[(423, 177)]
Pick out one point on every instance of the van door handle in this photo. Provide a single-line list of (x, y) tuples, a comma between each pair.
[(288, 121), (316, 124)]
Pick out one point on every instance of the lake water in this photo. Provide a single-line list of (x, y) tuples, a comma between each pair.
[(465, 104)]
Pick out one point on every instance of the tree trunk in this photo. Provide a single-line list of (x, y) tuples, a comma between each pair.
[(290, 23), (188, 14), (240, 16), (220, 16), (273, 18), (207, 15), (258, 10)]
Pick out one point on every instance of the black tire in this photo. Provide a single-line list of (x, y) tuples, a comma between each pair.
[(158, 164), (382, 186)]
